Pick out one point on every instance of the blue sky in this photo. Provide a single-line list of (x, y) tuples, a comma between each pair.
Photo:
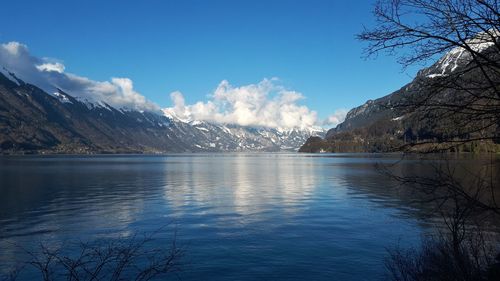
[(191, 46)]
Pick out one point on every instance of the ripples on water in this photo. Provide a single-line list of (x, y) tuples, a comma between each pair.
[(239, 216)]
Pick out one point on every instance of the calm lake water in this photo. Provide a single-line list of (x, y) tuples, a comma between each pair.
[(238, 216)]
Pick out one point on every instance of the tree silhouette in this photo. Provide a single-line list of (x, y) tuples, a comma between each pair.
[(459, 97), (465, 89)]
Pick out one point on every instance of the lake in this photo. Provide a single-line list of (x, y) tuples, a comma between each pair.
[(237, 216)]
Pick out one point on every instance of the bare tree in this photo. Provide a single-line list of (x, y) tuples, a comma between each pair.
[(465, 90), (462, 198), (419, 30), (135, 258), (459, 95)]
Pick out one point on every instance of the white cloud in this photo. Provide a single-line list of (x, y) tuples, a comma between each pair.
[(49, 75), (336, 118), (14, 48), (57, 67), (265, 104)]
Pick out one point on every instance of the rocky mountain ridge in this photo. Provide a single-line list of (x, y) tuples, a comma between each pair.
[(34, 121), (392, 122)]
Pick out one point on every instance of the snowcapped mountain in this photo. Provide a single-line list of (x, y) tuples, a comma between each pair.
[(402, 117), (459, 57), (226, 137), (34, 121)]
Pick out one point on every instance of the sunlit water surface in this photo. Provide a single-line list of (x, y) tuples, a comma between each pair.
[(238, 216)]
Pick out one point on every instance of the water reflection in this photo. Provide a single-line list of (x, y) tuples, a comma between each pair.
[(63, 199), (243, 185), (244, 216)]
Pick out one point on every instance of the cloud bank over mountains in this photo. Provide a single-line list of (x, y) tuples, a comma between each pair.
[(49, 75), (265, 104)]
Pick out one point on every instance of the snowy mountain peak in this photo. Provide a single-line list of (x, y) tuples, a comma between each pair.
[(460, 56), (171, 114), (311, 131)]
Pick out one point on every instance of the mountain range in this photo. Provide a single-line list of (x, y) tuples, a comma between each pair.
[(34, 121)]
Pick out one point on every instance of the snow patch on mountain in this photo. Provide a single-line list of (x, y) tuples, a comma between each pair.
[(62, 97), (461, 56)]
